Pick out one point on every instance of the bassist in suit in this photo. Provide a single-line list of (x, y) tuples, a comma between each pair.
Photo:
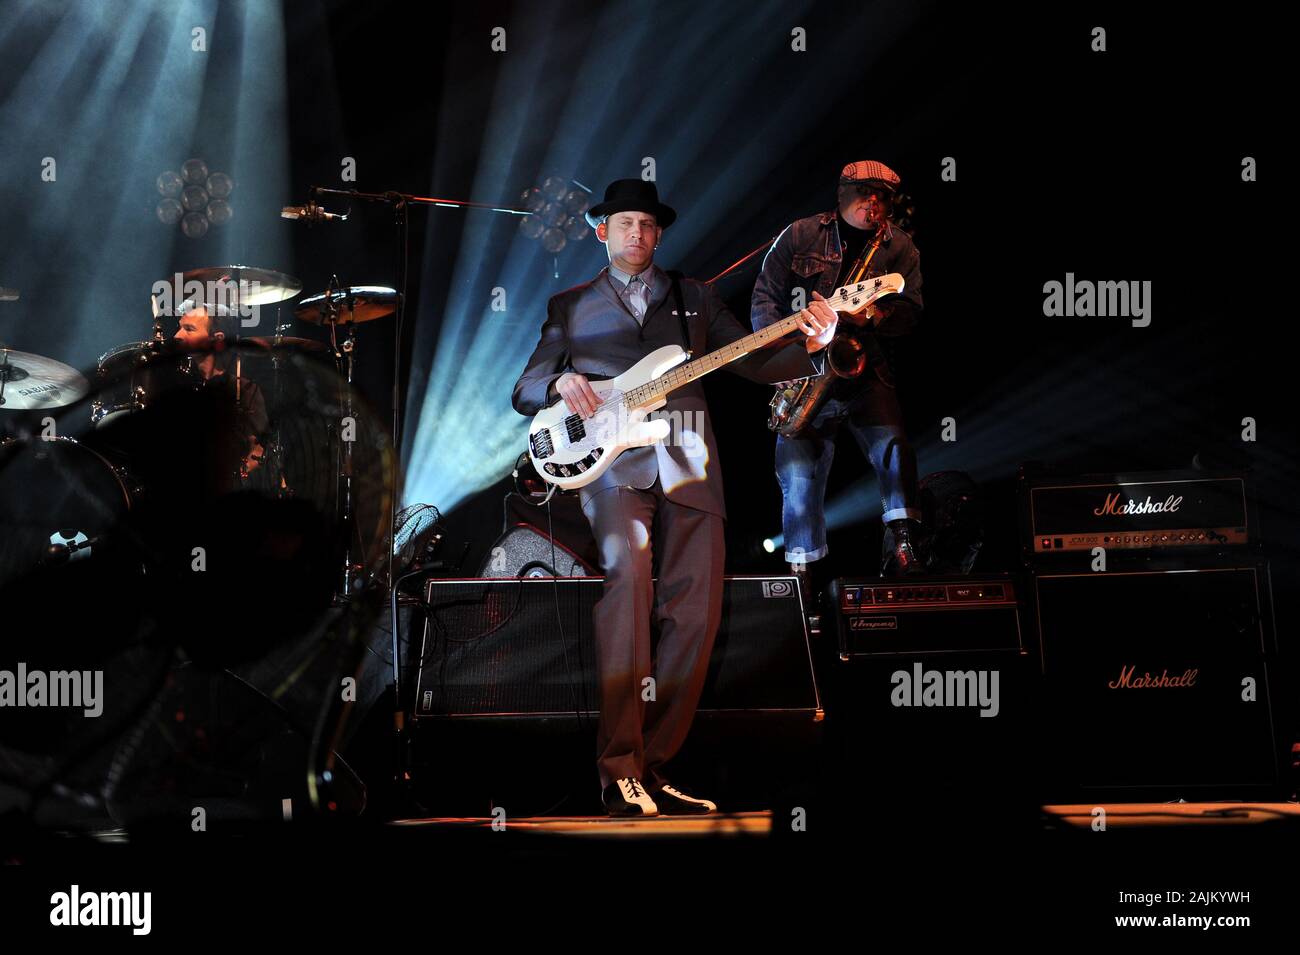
[(657, 510)]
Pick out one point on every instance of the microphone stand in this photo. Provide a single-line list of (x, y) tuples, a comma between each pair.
[(343, 359), (275, 453), (400, 203)]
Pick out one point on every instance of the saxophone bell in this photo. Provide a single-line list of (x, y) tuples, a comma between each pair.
[(846, 356)]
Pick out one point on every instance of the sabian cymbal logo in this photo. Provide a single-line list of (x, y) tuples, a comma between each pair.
[(1127, 681), (1112, 505)]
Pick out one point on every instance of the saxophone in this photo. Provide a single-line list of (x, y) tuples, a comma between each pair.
[(796, 403)]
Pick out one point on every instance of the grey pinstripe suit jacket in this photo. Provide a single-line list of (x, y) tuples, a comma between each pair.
[(589, 331)]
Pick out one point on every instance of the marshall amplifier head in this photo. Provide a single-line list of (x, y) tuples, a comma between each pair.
[(1140, 513)]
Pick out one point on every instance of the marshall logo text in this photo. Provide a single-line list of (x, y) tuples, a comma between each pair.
[(1113, 506), (1127, 681)]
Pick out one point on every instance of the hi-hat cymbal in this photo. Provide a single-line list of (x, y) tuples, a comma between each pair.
[(361, 303), (284, 341), (30, 381), (256, 286)]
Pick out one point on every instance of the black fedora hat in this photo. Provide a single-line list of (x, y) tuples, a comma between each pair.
[(631, 195)]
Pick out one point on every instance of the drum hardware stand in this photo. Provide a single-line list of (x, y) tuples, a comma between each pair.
[(345, 353), (5, 371), (400, 203), (157, 319), (275, 453), (158, 343)]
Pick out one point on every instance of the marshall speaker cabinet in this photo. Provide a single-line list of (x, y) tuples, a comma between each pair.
[(1157, 681), (1156, 660)]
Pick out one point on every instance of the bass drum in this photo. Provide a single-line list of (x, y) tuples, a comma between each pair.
[(60, 504), (72, 589)]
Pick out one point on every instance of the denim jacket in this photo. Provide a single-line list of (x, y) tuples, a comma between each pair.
[(808, 255)]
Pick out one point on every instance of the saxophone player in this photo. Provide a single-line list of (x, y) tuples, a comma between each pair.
[(818, 254)]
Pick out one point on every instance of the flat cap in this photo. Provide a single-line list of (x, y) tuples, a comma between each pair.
[(868, 170)]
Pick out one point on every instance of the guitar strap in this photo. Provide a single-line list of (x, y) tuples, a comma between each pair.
[(681, 311)]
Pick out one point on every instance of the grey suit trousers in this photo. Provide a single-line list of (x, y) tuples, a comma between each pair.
[(640, 532)]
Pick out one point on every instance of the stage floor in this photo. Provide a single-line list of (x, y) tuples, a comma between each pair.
[(1144, 814), (742, 824)]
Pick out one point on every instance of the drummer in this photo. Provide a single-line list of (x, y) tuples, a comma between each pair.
[(207, 331)]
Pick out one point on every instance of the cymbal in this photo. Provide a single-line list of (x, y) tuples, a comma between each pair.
[(30, 381), (284, 341), (368, 303), (257, 286)]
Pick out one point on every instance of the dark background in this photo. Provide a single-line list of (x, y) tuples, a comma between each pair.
[(1122, 165)]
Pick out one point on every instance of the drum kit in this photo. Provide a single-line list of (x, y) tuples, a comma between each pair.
[(65, 492)]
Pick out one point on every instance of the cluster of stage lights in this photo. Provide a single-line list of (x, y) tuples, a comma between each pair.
[(557, 208), (195, 197)]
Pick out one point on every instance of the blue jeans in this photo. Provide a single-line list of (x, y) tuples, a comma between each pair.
[(804, 463)]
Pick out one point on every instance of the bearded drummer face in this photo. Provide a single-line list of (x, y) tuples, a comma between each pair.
[(195, 332)]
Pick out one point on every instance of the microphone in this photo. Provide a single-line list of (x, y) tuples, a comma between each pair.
[(312, 213)]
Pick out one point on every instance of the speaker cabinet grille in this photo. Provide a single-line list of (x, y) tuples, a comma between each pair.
[(1146, 672), (525, 647)]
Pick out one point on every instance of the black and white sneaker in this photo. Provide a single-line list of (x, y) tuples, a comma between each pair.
[(674, 802), (628, 797)]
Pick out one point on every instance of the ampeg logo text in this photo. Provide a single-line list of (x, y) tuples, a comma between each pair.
[(873, 623)]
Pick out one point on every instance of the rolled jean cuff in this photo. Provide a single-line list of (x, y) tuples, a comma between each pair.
[(805, 556), (899, 513)]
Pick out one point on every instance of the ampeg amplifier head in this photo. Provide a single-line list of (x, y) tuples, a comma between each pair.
[(924, 615)]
